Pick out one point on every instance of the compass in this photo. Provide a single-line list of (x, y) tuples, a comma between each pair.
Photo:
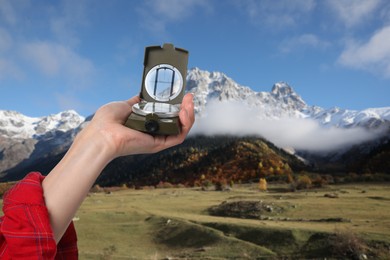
[(162, 91)]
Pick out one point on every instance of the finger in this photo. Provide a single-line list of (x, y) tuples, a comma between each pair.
[(163, 142), (187, 100), (133, 100), (188, 105), (186, 117)]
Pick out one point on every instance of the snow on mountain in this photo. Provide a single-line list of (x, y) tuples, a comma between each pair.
[(16, 125), (206, 86), (281, 102), (24, 139), (369, 118)]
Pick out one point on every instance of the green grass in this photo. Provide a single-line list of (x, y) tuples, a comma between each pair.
[(174, 223)]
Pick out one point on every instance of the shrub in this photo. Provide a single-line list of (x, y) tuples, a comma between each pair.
[(263, 184), (205, 184), (220, 184), (346, 244), (303, 182), (329, 179), (164, 185), (318, 181), (290, 178)]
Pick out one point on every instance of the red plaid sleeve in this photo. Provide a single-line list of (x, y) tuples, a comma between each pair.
[(25, 231)]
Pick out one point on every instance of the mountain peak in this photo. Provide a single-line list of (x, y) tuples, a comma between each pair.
[(196, 74), (282, 89), (285, 93)]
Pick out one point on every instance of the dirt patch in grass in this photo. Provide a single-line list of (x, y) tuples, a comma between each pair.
[(245, 209), (261, 210)]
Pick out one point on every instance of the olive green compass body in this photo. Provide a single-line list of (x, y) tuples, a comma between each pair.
[(162, 91)]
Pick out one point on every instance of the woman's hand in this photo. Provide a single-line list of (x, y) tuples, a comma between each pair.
[(101, 141), (108, 124)]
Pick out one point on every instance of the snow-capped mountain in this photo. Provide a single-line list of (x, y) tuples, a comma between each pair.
[(281, 102), (16, 125), (338, 117), (24, 139)]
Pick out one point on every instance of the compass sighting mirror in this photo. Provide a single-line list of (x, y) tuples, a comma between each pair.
[(162, 91)]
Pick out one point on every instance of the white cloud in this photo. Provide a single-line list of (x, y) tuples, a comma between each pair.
[(353, 12), (8, 67), (56, 60), (373, 55), (175, 10), (302, 41), (67, 19), (276, 14), (307, 134), (233, 118), (156, 14)]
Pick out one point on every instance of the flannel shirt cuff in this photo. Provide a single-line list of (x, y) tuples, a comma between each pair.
[(25, 231)]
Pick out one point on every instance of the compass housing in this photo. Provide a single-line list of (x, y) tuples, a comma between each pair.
[(162, 91)]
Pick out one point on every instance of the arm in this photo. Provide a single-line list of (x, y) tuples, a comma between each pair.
[(101, 141)]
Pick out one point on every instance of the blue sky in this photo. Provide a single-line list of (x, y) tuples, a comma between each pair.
[(80, 54)]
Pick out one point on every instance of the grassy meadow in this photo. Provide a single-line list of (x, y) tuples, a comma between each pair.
[(343, 221)]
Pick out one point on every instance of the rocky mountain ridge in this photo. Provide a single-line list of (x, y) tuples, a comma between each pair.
[(16, 125), (281, 102), (24, 139)]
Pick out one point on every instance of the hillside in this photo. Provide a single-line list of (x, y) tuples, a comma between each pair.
[(370, 157), (375, 161), (237, 159), (220, 157)]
